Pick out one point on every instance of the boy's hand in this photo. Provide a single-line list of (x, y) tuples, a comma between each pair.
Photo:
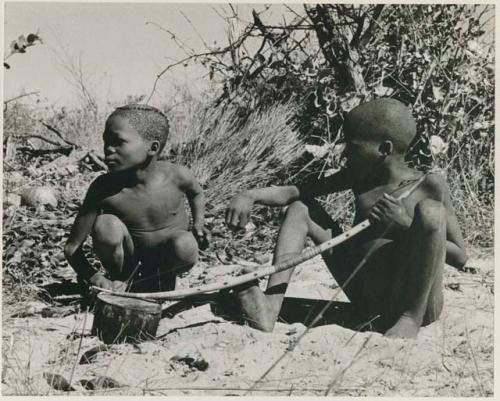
[(119, 286), (202, 236), (238, 211), (390, 210), (100, 281)]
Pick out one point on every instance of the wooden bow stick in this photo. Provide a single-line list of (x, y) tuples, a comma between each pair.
[(265, 271)]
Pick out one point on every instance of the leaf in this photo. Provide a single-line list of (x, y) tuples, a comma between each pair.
[(383, 91), (57, 382), (6, 65), (32, 37), (438, 95), (101, 382), (90, 355)]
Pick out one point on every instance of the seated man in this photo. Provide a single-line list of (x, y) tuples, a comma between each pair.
[(403, 251)]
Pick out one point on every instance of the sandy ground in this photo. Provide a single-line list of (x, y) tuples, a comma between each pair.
[(452, 357)]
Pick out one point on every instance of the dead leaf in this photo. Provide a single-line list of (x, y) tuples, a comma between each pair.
[(90, 355), (57, 382)]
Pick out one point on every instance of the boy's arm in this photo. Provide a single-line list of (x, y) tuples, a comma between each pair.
[(194, 193), (455, 245), (79, 232), (239, 208)]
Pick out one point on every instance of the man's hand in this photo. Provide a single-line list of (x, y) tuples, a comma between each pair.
[(202, 236), (390, 210), (238, 211)]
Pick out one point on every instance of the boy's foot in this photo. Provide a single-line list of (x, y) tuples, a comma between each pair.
[(405, 327)]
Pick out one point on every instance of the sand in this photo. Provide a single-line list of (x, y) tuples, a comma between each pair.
[(452, 357)]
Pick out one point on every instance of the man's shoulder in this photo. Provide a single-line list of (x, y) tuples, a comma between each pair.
[(435, 179), (435, 184)]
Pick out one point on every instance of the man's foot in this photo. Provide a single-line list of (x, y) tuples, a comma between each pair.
[(405, 327)]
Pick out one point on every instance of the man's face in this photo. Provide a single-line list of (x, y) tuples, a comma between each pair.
[(361, 155), (124, 147)]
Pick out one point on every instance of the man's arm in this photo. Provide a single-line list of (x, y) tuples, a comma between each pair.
[(456, 255), (238, 211)]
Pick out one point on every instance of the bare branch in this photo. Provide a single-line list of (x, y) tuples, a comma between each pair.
[(55, 131), (225, 50), (180, 44), (5, 102)]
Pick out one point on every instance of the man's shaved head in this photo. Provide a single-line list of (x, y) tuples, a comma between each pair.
[(380, 120)]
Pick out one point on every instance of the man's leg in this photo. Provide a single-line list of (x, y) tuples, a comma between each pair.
[(113, 245), (261, 309), (419, 287)]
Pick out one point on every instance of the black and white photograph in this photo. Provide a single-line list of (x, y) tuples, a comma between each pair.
[(236, 199)]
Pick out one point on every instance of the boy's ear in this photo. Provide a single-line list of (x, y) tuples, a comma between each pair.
[(386, 148), (154, 148)]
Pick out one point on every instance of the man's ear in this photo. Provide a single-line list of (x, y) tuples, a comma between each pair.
[(386, 148), (154, 149)]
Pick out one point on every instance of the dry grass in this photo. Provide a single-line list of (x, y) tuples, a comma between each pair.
[(227, 154)]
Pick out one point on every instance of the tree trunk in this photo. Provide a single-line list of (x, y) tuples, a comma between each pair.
[(119, 319)]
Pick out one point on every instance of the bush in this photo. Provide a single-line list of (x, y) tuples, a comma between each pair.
[(228, 153)]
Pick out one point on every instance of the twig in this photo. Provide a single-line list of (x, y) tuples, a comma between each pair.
[(55, 131), (473, 357), (8, 225), (342, 372), (96, 160), (281, 390), (224, 50), (79, 347), (180, 44), (41, 138), (5, 102)]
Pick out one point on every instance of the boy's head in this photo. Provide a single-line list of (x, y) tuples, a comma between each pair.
[(376, 130), (148, 121), (132, 134)]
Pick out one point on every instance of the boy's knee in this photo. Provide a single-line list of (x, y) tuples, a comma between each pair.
[(185, 247), (431, 215), (108, 230)]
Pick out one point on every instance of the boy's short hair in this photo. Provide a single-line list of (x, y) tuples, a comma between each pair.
[(384, 119), (148, 121)]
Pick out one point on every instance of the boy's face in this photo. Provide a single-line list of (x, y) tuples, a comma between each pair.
[(124, 147)]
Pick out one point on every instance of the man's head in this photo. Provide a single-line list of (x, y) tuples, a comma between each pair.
[(377, 130), (132, 134)]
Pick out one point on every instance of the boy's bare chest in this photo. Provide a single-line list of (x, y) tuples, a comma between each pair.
[(145, 206)]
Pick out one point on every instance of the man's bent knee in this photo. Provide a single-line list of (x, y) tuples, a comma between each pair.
[(297, 208), (108, 230), (431, 215)]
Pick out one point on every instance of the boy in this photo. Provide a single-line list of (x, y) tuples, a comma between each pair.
[(135, 213), (406, 246)]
